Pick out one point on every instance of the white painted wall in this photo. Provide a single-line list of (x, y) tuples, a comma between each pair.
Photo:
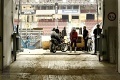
[(7, 32)]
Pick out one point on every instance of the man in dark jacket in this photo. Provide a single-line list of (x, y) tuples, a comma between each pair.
[(85, 37), (64, 32), (55, 34), (97, 31)]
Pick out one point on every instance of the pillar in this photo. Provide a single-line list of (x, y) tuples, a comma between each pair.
[(110, 25), (7, 32), (118, 36), (1, 35), (70, 17)]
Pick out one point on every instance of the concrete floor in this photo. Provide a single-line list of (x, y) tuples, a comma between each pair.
[(35, 65)]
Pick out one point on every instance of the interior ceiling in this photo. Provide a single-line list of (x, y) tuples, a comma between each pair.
[(54, 1)]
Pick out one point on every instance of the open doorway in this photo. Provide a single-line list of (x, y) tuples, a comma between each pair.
[(36, 21)]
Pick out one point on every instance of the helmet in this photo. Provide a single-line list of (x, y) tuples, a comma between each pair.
[(57, 30)]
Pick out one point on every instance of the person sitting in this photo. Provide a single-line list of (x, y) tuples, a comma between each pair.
[(55, 34)]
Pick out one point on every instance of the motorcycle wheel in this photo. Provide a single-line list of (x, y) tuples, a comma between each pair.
[(53, 48), (64, 47)]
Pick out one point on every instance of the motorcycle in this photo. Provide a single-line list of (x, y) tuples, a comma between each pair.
[(55, 45)]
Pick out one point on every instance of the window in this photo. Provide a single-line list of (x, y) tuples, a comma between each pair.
[(32, 18), (64, 7), (43, 7), (37, 7), (75, 7), (69, 7), (90, 16), (75, 17), (64, 16), (50, 7), (27, 18)]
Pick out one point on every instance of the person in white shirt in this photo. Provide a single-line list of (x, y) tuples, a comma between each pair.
[(89, 44)]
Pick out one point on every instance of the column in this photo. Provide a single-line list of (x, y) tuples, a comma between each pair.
[(110, 30), (118, 36), (6, 29), (1, 35), (9, 9)]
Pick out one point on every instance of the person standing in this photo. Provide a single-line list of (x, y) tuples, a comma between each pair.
[(97, 31), (61, 37), (85, 37), (27, 42), (64, 32), (73, 39)]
